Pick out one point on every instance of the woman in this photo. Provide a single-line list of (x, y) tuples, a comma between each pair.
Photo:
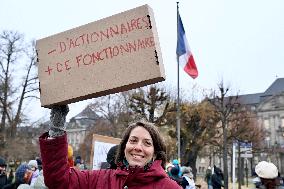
[(140, 159), (268, 173)]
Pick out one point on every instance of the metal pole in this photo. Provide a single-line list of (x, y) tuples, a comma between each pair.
[(247, 170), (234, 164), (178, 103)]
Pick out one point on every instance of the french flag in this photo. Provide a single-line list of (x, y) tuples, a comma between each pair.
[(184, 55)]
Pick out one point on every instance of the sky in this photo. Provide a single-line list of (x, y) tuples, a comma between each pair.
[(241, 42)]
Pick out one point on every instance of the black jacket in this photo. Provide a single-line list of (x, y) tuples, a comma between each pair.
[(216, 180), (11, 186), (3, 180)]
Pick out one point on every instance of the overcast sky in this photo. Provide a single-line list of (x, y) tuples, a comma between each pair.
[(240, 41)]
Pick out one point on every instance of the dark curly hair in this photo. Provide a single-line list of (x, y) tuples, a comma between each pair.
[(158, 142)]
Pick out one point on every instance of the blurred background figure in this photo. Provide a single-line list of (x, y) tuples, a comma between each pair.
[(208, 177), (176, 164), (280, 180), (39, 163), (3, 175), (39, 183), (34, 167), (169, 166), (268, 174), (187, 178), (24, 186), (255, 179), (111, 157), (175, 175), (70, 156), (217, 178), (79, 163), (23, 176)]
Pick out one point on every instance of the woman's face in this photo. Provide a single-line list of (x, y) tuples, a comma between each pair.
[(139, 149)]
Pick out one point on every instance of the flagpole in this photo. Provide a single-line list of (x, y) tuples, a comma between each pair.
[(178, 103)]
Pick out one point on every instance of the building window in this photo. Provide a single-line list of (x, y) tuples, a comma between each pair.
[(267, 140), (201, 169), (266, 124), (282, 122)]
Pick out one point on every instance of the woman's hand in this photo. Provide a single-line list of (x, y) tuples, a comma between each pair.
[(57, 120)]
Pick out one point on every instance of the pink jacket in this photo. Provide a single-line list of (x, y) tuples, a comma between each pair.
[(58, 175)]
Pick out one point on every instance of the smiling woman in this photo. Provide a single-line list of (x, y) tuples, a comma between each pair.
[(141, 145), (140, 159)]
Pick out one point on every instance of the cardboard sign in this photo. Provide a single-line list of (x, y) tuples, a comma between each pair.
[(100, 147), (110, 55)]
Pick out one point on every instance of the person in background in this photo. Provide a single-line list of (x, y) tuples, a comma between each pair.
[(169, 166), (39, 183), (3, 175), (24, 186), (70, 156), (208, 176), (175, 175), (217, 178), (176, 164), (141, 159), (39, 163), (23, 176), (79, 163), (280, 180), (268, 174), (111, 157), (187, 178), (255, 179), (34, 167)]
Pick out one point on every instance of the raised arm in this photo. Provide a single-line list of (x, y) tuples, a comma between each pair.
[(53, 149)]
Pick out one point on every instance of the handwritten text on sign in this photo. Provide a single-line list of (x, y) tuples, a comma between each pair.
[(108, 52)]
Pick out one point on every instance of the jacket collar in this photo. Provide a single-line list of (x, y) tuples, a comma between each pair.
[(138, 176)]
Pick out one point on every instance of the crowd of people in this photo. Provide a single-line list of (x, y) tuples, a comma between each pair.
[(27, 175), (182, 175), (139, 161)]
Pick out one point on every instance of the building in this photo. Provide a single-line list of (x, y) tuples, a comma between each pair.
[(269, 109), (79, 125)]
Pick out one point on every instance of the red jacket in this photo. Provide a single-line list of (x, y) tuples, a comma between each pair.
[(58, 175)]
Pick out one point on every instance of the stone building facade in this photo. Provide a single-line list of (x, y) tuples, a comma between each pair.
[(268, 107)]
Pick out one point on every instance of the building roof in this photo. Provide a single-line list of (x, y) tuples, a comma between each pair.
[(250, 98), (84, 119), (87, 113), (275, 88)]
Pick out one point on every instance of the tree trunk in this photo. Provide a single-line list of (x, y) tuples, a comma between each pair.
[(231, 168), (225, 153), (192, 156), (239, 166)]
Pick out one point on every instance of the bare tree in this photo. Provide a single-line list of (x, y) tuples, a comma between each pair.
[(114, 108), (225, 106), (152, 104), (16, 58), (11, 48), (28, 88)]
